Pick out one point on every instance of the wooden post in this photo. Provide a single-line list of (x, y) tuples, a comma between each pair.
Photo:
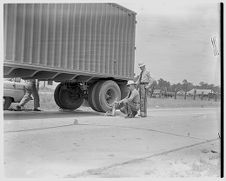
[(194, 94), (185, 95), (209, 96), (175, 95), (202, 95)]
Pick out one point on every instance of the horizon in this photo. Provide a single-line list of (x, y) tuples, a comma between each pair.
[(181, 82)]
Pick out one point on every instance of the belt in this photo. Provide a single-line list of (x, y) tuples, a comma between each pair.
[(144, 83)]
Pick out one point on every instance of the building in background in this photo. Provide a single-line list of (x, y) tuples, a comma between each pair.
[(200, 91)]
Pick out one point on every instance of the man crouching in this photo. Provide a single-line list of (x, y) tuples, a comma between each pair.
[(130, 104)]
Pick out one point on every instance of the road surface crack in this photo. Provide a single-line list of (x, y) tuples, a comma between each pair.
[(98, 171)]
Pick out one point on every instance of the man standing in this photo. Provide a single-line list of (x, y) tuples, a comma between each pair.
[(130, 104), (143, 83), (30, 88)]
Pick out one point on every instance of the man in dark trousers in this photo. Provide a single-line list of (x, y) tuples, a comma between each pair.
[(143, 82), (130, 104), (30, 89)]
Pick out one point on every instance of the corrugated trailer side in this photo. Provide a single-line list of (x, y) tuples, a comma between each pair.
[(68, 41)]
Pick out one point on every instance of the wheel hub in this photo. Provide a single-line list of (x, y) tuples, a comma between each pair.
[(110, 96)]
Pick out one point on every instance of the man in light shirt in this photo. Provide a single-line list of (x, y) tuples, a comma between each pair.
[(130, 104), (30, 89), (143, 83)]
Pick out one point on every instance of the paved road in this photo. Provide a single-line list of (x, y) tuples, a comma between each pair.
[(78, 144)]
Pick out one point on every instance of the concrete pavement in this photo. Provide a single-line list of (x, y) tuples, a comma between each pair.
[(59, 144)]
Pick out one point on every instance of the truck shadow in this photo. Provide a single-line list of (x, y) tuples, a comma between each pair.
[(28, 114)]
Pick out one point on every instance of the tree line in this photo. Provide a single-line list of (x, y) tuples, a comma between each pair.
[(170, 90), (184, 85)]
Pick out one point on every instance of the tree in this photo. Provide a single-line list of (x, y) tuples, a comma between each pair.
[(175, 88), (217, 89), (203, 85), (152, 88), (163, 85), (186, 86), (154, 84)]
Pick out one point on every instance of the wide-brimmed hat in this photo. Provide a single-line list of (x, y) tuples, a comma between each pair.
[(130, 82), (141, 65)]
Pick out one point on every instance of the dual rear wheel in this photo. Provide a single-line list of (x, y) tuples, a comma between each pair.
[(101, 95)]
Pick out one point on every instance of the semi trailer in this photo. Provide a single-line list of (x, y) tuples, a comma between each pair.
[(88, 47)]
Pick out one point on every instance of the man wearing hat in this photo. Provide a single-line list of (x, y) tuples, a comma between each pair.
[(130, 104), (143, 83)]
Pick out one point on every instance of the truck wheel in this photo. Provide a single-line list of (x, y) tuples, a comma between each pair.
[(56, 95), (70, 98), (107, 92), (7, 102), (92, 96)]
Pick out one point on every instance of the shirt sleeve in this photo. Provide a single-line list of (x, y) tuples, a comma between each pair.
[(138, 78), (150, 79)]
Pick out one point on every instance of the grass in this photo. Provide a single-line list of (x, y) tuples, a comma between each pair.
[(175, 103)]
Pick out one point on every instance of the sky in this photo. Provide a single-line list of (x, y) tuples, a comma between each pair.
[(173, 38)]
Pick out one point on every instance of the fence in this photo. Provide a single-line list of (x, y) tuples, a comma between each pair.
[(173, 95)]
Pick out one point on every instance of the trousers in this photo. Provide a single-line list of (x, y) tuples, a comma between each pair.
[(143, 100), (30, 89), (127, 108)]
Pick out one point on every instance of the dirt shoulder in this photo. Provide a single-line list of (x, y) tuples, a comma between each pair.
[(198, 161)]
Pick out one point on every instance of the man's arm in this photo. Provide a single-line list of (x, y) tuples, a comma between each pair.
[(137, 80), (123, 100), (130, 99), (150, 80)]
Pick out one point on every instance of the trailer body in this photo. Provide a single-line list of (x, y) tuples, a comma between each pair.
[(88, 47), (65, 41)]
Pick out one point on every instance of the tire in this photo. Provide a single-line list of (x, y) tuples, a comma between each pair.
[(70, 98), (91, 96), (56, 95), (7, 102), (106, 93)]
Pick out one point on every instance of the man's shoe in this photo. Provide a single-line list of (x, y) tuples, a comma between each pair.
[(109, 113), (18, 108), (134, 113), (36, 109), (129, 116), (143, 115)]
